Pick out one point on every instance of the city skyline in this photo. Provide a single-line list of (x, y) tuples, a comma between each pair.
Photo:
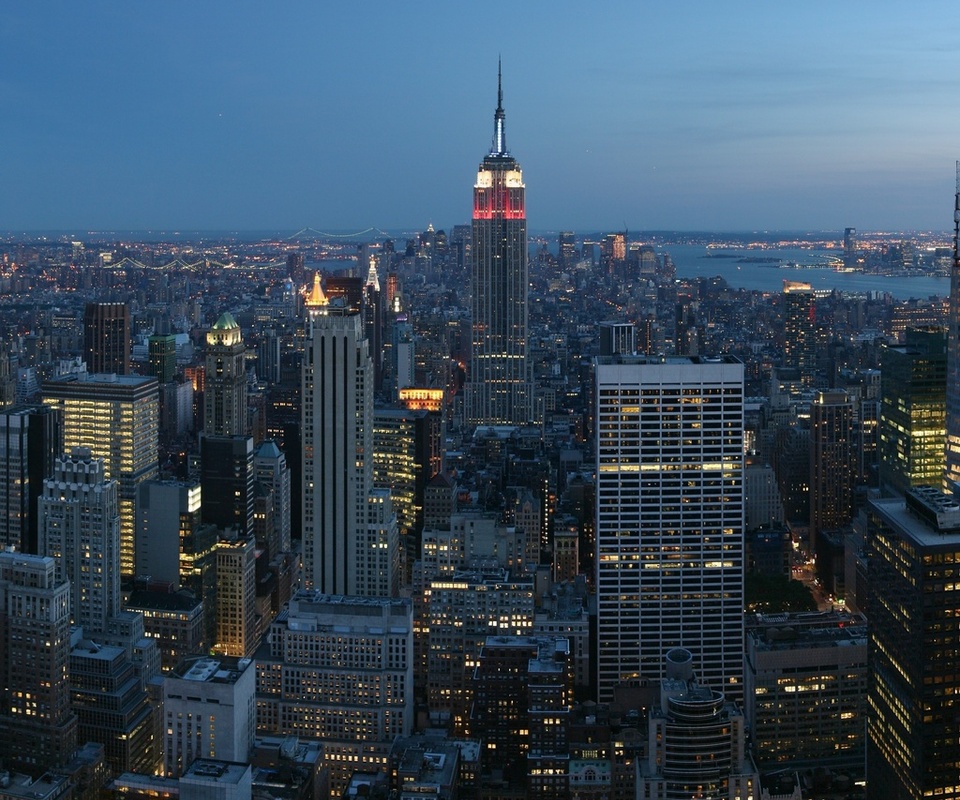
[(740, 117)]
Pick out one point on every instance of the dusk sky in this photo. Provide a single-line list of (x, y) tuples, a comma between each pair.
[(723, 116)]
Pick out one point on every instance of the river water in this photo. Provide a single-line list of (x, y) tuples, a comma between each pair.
[(691, 262)]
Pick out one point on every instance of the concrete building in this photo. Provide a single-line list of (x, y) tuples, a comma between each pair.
[(225, 384), (341, 554), (113, 707), (236, 597), (696, 741), (80, 529), (209, 710), (669, 518), (38, 728), (270, 468), (210, 779), (339, 669), (806, 690)]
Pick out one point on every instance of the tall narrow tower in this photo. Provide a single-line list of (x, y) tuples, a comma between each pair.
[(343, 551), (225, 393), (106, 337), (499, 391), (953, 356)]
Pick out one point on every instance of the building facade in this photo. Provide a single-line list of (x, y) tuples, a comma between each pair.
[(117, 419), (339, 557), (29, 444), (106, 338), (669, 517), (80, 529), (209, 710), (914, 547), (499, 389), (38, 728), (341, 669), (225, 386), (913, 417)]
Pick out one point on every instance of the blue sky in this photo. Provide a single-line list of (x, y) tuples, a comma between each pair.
[(658, 115)]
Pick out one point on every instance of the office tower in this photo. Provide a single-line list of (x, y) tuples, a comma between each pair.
[(805, 690), (113, 707), (8, 377), (669, 530), (358, 649), (521, 708), (763, 503), (849, 247), (29, 444), (499, 388), (618, 338), (832, 468), (913, 415), (696, 745), (38, 728), (209, 709), (106, 338), (295, 262), (339, 557), (236, 597), (270, 469), (162, 351), (176, 620), (116, 417), (226, 480), (914, 547), (345, 288), (613, 253), (168, 513), (800, 329), (374, 320), (567, 255), (952, 472), (80, 529), (407, 453), (378, 548), (225, 384), (463, 609)]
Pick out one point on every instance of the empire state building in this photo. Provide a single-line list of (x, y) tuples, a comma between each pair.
[(499, 388)]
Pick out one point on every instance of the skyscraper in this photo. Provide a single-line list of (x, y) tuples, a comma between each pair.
[(162, 349), (38, 729), (800, 329), (499, 389), (913, 410), (341, 555), (914, 546), (116, 417), (106, 337), (670, 509), (80, 529), (225, 390), (953, 352), (29, 444), (832, 467)]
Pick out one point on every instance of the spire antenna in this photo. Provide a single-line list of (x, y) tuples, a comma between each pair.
[(499, 147)]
